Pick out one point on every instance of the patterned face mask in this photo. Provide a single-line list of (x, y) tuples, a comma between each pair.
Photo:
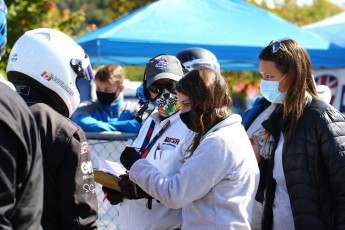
[(167, 102)]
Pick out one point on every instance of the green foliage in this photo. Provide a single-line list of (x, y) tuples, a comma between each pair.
[(123, 7), (299, 15), (134, 73), (26, 15), (101, 12)]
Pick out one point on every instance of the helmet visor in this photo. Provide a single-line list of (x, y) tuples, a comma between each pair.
[(190, 65), (82, 68)]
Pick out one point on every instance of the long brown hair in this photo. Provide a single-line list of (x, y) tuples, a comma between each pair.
[(292, 59), (210, 100)]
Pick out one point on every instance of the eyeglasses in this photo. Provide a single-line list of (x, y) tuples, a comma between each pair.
[(158, 88), (275, 46)]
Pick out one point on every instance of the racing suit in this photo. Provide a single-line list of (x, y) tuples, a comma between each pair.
[(70, 200)]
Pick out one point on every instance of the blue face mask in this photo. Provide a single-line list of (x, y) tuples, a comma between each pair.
[(270, 91)]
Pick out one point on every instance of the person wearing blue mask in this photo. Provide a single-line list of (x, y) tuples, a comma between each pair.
[(300, 147), (109, 112)]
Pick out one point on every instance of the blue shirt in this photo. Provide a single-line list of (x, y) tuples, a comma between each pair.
[(92, 116)]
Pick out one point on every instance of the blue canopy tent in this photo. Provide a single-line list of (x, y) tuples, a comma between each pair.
[(332, 28), (235, 31)]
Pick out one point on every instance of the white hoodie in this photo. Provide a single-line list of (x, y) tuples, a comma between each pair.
[(215, 187)]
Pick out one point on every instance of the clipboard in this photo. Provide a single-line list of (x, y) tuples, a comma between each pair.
[(107, 179), (108, 173)]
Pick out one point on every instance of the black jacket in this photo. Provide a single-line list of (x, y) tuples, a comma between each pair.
[(314, 167), (21, 178), (70, 200)]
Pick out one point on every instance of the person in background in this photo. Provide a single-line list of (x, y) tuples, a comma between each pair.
[(262, 108), (251, 120), (109, 112), (162, 140), (196, 56), (190, 58), (21, 180), (302, 161), (216, 184), (44, 65)]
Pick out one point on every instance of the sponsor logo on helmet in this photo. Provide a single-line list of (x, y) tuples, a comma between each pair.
[(161, 64), (84, 148), (46, 76), (50, 76), (14, 57)]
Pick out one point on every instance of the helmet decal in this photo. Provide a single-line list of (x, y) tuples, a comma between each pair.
[(50, 76)]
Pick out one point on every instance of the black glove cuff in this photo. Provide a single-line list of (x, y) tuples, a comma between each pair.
[(114, 197), (128, 156)]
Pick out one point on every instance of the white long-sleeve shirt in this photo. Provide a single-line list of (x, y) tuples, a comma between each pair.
[(215, 187), (134, 214)]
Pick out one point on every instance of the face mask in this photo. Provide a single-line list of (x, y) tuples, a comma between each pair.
[(167, 102), (106, 98), (270, 90), (185, 118)]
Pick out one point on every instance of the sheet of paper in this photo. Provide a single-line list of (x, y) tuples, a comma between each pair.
[(110, 167)]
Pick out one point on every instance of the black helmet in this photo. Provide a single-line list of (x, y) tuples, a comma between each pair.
[(195, 56)]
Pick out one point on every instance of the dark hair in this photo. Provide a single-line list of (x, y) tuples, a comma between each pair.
[(210, 100), (292, 59)]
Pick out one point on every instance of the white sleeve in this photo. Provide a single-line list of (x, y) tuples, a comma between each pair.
[(210, 163)]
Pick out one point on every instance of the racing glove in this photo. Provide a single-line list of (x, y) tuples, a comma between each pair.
[(129, 156), (132, 191), (114, 197)]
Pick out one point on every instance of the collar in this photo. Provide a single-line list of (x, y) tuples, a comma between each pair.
[(233, 118)]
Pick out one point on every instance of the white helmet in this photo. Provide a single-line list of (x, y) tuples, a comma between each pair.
[(49, 62)]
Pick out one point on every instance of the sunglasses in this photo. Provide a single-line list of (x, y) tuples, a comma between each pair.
[(158, 88), (275, 46)]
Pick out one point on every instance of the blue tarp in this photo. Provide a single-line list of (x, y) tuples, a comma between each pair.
[(235, 31), (332, 28)]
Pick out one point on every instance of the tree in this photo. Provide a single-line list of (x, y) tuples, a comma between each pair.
[(299, 15), (26, 15)]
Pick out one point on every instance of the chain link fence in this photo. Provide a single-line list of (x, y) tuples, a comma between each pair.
[(107, 145)]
